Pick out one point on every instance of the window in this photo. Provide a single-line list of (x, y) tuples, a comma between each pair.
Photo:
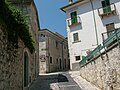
[(50, 59), (56, 44), (75, 37), (77, 58), (110, 28), (57, 60), (26, 69), (65, 46), (73, 17), (42, 35), (106, 6), (65, 63)]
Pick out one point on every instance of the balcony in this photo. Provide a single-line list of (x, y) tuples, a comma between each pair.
[(107, 11), (74, 21)]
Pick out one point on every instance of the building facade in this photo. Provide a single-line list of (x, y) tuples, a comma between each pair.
[(21, 65), (53, 52), (31, 69), (89, 22)]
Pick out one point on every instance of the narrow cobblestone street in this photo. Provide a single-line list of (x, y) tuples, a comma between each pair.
[(55, 81)]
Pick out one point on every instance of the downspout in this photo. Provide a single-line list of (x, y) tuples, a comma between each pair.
[(62, 55), (94, 22)]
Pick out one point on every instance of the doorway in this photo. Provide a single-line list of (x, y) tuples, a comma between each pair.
[(60, 64), (26, 70)]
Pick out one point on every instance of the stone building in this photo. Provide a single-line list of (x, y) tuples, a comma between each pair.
[(53, 52), (89, 22), (19, 67)]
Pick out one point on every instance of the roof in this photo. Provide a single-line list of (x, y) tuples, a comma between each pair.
[(70, 5), (54, 33)]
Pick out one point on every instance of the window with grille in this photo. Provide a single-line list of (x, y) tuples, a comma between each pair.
[(50, 59), (56, 44), (75, 37), (77, 58), (110, 28)]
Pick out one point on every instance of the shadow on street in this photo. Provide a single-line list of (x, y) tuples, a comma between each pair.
[(62, 81)]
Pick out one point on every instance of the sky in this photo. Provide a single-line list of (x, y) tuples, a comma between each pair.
[(50, 15)]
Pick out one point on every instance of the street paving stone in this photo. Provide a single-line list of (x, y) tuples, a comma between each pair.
[(55, 81), (70, 85)]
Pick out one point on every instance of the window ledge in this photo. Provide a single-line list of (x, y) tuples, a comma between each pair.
[(75, 24), (76, 41)]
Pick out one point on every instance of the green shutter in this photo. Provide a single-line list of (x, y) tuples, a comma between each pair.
[(103, 5), (83, 57), (74, 17), (107, 2), (106, 6)]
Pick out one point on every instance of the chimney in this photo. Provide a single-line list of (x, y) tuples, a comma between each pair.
[(70, 1)]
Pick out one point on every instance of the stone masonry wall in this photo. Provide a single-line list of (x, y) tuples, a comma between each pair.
[(104, 72), (11, 64)]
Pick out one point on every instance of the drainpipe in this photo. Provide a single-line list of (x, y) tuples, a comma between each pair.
[(62, 54), (94, 22)]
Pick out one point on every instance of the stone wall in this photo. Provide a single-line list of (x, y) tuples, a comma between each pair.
[(104, 72), (75, 66), (11, 64)]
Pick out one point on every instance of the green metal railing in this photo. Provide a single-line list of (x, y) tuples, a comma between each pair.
[(114, 36), (91, 55), (106, 43), (73, 21)]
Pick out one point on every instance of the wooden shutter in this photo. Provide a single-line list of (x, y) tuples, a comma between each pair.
[(74, 17)]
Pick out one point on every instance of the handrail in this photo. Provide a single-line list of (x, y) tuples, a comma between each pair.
[(97, 51), (112, 37), (92, 54)]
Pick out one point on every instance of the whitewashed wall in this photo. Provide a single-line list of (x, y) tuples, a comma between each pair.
[(86, 30)]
